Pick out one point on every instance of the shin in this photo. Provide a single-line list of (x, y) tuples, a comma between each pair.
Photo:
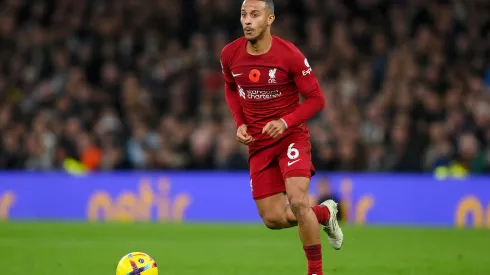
[(297, 189)]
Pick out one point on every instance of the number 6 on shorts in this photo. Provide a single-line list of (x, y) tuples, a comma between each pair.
[(296, 160), (293, 153)]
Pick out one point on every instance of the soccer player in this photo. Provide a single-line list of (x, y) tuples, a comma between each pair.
[(264, 77)]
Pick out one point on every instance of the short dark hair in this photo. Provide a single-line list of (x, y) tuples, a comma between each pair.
[(270, 4)]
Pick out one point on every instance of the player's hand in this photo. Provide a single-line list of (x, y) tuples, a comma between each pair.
[(242, 135), (274, 128)]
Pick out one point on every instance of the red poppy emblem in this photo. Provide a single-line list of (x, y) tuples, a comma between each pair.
[(254, 75)]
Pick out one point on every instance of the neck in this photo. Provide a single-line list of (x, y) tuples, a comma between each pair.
[(260, 46)]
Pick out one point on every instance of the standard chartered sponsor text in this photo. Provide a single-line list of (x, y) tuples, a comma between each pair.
[(258, 94)]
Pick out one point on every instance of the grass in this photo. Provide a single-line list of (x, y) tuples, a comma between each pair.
[(82, 248)]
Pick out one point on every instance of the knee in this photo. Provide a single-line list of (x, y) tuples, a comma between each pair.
[(299, 203), (273, 221), (297, 190)]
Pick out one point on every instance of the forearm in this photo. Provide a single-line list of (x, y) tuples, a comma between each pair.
[(314, 103), (233, 101)]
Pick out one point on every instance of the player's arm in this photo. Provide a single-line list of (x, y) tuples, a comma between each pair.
[(233, 101), (307, 84)]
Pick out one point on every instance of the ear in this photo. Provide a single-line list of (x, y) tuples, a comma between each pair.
[(271, 19)]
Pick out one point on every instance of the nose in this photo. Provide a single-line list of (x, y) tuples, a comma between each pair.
[(247, 20)]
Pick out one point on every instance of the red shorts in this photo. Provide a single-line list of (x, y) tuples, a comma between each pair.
[(271, 166)]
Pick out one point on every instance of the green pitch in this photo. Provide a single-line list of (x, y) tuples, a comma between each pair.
[(88, 249)]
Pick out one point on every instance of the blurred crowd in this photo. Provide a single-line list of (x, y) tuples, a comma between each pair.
[(131, 84)]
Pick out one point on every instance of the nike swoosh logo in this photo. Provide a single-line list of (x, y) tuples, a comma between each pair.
[(235, 75), (292, 162)]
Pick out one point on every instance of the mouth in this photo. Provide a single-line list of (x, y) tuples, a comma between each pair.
[(248, 30)]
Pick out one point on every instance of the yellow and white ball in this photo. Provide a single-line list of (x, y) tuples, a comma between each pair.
[(137, 263)]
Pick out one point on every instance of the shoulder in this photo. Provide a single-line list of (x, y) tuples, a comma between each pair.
[(231, 49), (286, 46), (292, 55)]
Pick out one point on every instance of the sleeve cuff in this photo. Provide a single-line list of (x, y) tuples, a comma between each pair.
[(285, 123)]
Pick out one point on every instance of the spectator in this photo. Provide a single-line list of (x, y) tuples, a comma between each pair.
[(137, 84)]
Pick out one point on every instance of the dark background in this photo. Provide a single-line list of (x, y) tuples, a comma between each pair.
[(131, 84)]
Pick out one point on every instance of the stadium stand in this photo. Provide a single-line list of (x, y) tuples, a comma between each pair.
[(130, 84)]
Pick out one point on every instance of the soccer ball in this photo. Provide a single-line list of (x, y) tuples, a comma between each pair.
[(137, 263)]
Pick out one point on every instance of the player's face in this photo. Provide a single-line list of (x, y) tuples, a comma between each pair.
[(255, 18)]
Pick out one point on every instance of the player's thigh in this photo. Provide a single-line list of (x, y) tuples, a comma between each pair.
[(267, 184), (297, 169), (266, 181), (268, 192), (272, 209)]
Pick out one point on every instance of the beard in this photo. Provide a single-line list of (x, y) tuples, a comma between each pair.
[(256, 38)]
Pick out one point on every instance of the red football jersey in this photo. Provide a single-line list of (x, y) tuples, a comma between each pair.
[(266, 87)]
